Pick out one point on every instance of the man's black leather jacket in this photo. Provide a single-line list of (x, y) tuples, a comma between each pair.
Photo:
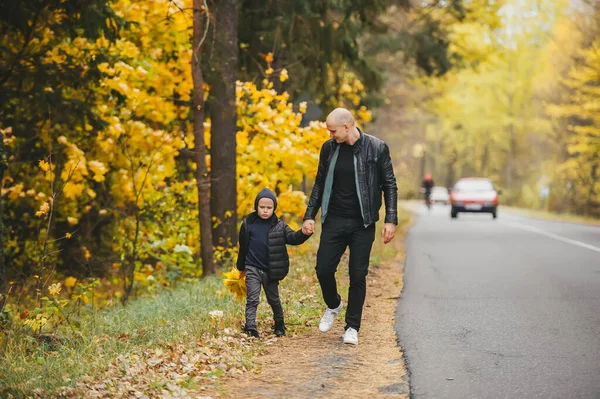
[(374, 175)]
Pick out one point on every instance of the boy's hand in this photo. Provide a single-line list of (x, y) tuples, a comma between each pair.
[(308, 227)]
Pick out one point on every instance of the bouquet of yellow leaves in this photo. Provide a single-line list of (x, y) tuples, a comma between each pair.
[(235, 283)]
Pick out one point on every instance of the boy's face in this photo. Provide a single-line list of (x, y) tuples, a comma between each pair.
[(265, 208)]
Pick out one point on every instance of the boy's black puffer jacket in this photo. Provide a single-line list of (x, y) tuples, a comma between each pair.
[(280, 234)]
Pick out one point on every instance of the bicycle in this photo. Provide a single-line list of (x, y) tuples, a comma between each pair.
[(428, 200)]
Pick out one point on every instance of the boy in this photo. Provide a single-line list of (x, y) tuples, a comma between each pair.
[(263, 258)]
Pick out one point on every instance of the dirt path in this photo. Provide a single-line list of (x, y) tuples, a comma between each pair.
[(315, 365)]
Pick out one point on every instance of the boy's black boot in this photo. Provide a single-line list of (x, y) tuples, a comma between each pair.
[(251, 331), (279, 328)]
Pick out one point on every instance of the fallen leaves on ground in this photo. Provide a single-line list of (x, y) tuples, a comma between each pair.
[(176, 371)]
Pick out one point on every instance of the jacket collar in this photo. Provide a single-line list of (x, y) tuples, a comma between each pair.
[(359, 143), (361, 139), (253, 217)]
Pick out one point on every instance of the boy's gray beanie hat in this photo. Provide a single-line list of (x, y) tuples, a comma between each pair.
[(266, 193)]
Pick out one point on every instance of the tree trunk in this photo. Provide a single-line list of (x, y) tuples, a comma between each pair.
[(590, 210), (223, 113), (202, 177), (129, 273), (484, 160), (509, 157), (423, 162), (3, 289), (450, 177), (436, 162)]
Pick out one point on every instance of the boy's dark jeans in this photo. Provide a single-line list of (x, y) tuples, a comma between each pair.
[(337, 234), (255, 278)]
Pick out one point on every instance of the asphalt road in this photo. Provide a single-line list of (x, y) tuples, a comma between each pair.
[(506, 308)]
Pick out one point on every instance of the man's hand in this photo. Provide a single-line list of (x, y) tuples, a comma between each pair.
[(242, 274), (388, 232), (308, 227)]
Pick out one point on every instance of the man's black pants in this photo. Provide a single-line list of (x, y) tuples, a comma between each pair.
[(339, 233)]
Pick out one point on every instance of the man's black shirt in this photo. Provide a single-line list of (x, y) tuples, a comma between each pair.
[(344, 198)]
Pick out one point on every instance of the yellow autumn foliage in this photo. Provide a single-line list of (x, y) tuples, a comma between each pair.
[(70, 282), (273, 149), (123, 178), (235, 283)]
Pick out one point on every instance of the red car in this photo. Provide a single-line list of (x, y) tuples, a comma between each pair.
[(474, 194)]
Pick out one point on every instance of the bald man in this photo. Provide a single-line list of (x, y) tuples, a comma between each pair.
[(354, 171)]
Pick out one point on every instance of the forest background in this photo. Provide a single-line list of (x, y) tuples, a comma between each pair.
[(136, 134)]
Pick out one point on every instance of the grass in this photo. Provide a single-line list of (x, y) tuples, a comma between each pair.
[(174, 316), (179, 315), (546, 215), (383, 252), (541, 214)]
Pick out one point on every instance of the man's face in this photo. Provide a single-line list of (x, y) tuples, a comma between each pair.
[(339, 133), (265, 208)]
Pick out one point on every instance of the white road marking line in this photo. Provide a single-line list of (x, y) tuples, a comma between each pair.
[(552, 235)]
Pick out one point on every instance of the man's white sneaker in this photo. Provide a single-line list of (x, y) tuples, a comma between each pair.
[(328, 318), (351, 336)]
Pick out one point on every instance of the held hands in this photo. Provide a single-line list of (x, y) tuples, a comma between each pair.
[(388, 232), (308, 227)]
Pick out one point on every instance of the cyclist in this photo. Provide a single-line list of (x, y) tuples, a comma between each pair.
[(427, 184)]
